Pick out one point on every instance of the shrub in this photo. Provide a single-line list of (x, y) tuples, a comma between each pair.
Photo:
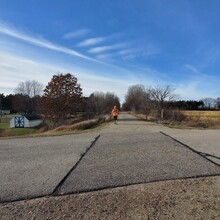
[(175, 115), (78, 126)]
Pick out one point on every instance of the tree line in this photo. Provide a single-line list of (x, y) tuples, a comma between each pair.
[(61, 99), (143, 99)]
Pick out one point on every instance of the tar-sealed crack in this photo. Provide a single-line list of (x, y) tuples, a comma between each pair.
[(204, 155), (57, 188)]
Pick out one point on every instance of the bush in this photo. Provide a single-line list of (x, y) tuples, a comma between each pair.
[(78, 126), (175, 115)]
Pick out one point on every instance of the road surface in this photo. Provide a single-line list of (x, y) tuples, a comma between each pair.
[(132, 152)]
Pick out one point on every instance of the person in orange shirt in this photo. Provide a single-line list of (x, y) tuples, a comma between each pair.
[(115, 114)]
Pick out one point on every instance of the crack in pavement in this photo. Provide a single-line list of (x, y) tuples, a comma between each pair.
[(209, 155), (59, 185), (204, 155)]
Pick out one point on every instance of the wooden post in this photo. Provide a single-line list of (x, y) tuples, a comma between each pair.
[(0, 108), (162, 114)]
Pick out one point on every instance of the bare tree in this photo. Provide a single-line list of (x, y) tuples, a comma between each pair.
[(37, 88), (162, 94), (218, 102), (209, 102), (29, 88), (96, 103), (136, 98), (101, 103), (111, 100)]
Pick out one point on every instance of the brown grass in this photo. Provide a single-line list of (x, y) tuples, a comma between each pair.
[(82, 125), (202, 119), (73, 126), (187, 119), (213, 116), (78, 126)]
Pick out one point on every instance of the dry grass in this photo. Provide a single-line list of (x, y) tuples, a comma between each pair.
[(202, 119), (188, 119), (73, 126), (193, 119), (77, 126), (213, 116)]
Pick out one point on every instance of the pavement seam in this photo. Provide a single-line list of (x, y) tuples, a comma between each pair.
[(138, 183), (190, 148), (60, 184), (108, 187), (23, 199)]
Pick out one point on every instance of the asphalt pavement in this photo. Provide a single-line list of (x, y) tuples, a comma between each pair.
[(131, 158), (205, 142), (33, 167)]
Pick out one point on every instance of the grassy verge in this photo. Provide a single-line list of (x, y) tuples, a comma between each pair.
[(76, 127)]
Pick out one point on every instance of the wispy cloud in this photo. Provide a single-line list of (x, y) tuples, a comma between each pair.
[(192, 68), (138, 52), (197, 88), (198, 85), (41, 42), (91, 41), (14, 69), (104, 56), (129, 57), (17, 69), (207, 78), (100, 49), (107, 48), (5, 29), (125, 52), (77, 33)]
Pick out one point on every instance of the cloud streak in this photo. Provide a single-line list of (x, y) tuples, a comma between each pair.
[(77, 33), (17, 69), (4, 29), (192, 68), (106, 48), (91, 41), (104, 56)]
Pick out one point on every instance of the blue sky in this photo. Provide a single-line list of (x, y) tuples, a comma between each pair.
[(110, 45)]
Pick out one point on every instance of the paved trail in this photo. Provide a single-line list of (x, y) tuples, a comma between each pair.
[(131, 152)]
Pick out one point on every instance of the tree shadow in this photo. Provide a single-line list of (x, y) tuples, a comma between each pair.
[(130, 119), (133, 124)]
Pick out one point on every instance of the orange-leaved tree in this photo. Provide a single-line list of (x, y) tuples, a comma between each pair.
[(62, 97)]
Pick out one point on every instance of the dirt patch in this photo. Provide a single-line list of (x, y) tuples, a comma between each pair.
[(180, 199)]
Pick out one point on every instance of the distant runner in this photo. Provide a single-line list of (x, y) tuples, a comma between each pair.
[(115, 114)]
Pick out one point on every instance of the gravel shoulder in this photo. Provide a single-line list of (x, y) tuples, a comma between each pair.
[(187, 199)]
